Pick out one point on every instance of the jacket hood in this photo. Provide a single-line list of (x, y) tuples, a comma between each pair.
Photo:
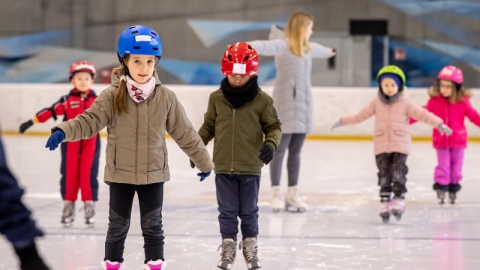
[(435, 92), (115, 78), (276, 32)]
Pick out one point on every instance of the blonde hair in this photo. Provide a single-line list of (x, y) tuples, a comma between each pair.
[(120, 100), (295, 32)]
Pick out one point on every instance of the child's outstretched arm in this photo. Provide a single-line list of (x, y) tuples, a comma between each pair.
[(428, 106), (58, 108), (362, 115)]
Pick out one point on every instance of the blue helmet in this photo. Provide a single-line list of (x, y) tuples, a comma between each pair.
[(139, 39)]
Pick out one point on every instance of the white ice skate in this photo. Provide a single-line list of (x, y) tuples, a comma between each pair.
[(398, 207), (89, 209), (68, 213), (155, 265), (276, 200), (293, 200), (385, 211)]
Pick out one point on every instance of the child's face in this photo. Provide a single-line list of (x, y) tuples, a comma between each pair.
[(141, 67), (446, 88), (236, 81), (389, 87), (82, 81), (309, 30)]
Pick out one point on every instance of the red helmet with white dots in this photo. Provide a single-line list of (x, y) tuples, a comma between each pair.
[(84, 66), (240, 59)]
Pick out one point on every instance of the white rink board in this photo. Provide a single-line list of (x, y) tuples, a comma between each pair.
[(20, 102)]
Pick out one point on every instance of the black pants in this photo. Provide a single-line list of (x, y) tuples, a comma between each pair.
[(150, 198), (237, 197), (392, 171)]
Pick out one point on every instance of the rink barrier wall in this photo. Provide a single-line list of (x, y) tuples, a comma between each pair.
[(20, 102)]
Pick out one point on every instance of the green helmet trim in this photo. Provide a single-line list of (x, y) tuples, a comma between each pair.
[(392, 70)]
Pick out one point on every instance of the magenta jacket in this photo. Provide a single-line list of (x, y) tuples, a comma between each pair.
[(453, 115)]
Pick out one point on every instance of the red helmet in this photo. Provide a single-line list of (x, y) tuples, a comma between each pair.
[(82, 66), (240, 58)]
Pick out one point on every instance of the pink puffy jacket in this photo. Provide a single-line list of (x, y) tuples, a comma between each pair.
[(453, 114), (392, 126)]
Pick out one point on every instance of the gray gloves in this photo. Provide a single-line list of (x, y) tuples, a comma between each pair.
[(337, 124), (444, 129)]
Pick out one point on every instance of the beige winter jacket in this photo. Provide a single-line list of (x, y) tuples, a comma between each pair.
[(136, 152), (392, 123)]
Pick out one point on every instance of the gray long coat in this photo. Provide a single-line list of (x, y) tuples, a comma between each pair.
[(292, 92)]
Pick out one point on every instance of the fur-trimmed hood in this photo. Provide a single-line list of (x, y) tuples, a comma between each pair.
[(435, 92)]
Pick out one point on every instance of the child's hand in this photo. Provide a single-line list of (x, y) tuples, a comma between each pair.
[(203, 175), (444, 129), (55, 139), (337, 124), (266, 153), (26, 125)]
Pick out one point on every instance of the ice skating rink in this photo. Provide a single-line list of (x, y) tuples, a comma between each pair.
[(340, 230)]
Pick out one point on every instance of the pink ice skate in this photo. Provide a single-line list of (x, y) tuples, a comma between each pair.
[(108, 265), (398, 207), (155, 265)]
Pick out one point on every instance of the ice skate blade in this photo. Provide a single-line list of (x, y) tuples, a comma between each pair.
[(67, 225), (276, 210)]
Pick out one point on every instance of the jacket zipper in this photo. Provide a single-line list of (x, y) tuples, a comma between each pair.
[(447, 120), (136, 142), (233, 137)]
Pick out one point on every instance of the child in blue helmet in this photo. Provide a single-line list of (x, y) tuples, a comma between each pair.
[(137, 111)]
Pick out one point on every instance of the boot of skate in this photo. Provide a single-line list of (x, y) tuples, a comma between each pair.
[(385, 209), (155, 265), (276, 200), (441, 196), (398, 206), (249, 248), (108, 265), (68, 213), (452, 192), (89, 211), (228, 250), (294, 200)]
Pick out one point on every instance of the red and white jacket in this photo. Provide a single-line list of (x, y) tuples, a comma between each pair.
[(69, 105)]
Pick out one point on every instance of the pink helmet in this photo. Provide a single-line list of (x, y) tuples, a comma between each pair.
[(451, 73)]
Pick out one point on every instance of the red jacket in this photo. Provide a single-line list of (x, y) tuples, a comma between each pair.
[(453, 115), (69, 105)]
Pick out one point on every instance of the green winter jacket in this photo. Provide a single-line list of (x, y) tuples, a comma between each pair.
[(238, 133)]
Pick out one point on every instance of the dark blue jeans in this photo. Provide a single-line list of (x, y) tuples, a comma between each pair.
[(237, 197)]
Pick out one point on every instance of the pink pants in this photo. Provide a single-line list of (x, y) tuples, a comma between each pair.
[(449, 168)]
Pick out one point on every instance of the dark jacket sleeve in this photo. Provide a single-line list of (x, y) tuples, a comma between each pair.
[(207, 131), (271, 125)]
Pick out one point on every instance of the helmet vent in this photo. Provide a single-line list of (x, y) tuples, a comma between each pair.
[(229, 57), (135, 32), (249, 47), (246, 57), (153, 33), (136, 47), (155, 48)]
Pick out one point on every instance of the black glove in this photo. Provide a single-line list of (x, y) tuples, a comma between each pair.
[(266, 153), (26, 125), (192, 164)]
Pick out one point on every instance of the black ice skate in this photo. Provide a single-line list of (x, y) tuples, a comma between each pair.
[(441, 196)]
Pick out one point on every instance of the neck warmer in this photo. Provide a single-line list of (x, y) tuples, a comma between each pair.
[(139, 92), (239, 96)]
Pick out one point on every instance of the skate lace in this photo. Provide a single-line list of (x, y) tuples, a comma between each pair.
[(228, 250), (250, 254)]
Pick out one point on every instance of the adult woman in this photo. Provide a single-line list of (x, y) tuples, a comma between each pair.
[(293, 98)]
